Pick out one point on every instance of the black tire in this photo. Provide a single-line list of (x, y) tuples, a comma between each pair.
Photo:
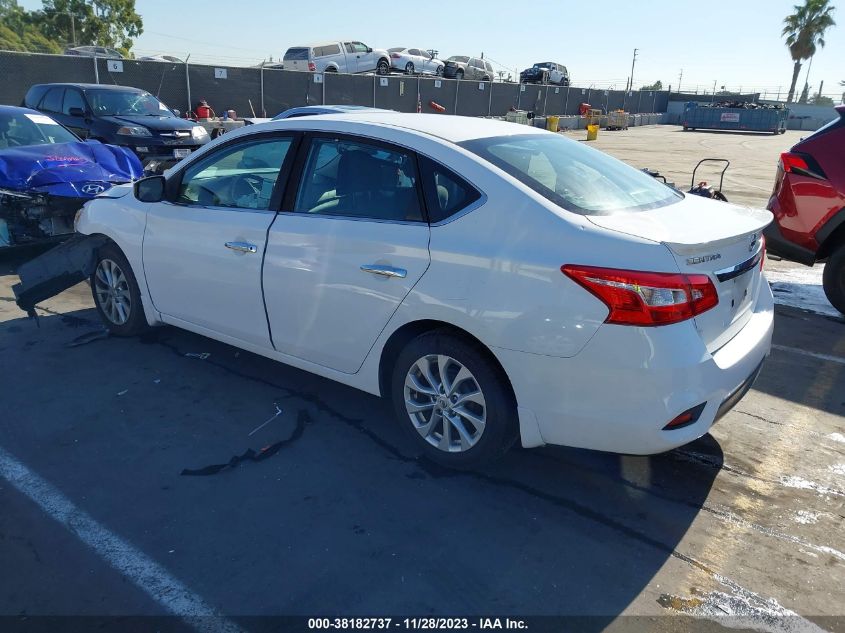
[(501, 427), (136, 322), (439, 71), (833, 279), (459, 74), (409, 68), (383, 67), (330, 69)]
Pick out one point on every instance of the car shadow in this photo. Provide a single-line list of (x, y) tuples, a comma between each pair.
[(328, 508)]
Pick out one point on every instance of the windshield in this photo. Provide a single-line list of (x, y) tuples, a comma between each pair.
[(543, 65), (115, 102), (21, 129), (575, 177), (458, 58)]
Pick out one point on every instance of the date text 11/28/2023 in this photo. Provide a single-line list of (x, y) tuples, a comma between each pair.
[(422, 623)]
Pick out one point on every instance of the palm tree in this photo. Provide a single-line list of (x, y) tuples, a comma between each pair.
[(804, 31)]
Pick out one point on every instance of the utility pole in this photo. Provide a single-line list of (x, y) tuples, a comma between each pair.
[(72, 27), (633, 62), (680, 79)]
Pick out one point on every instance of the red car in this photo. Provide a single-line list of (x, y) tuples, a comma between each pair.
[(808, 202)]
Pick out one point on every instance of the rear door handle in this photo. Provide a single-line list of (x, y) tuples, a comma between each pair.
[(385, 271), (242, 247)]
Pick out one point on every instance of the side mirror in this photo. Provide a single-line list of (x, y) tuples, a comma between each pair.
[(369, 50), (176, 112), (76, 112), (150, 189)]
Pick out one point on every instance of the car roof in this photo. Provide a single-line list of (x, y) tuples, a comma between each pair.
[(452, 128), (93, 86), (10, 109)]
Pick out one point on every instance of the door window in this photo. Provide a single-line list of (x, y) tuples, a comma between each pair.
[(73, 99), (241, 176), (359, 47), (52, 101), (414, 51), (356, 179)]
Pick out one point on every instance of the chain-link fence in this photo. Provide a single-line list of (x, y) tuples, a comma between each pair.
[(268, 91)]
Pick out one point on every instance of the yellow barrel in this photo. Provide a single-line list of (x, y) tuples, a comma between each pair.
[(592, 132), (552, 123)]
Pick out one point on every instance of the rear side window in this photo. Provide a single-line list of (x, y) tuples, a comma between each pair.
[(322, 51), (52, 101), (34, 96), (73, 99), (574, 177), (296, 54), (446, 193)]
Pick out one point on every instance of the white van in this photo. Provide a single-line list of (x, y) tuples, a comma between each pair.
[(338, 57)]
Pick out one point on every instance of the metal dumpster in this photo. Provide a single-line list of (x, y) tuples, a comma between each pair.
[(772, 120)]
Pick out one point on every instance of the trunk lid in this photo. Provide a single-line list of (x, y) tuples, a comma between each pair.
[(721, 240)]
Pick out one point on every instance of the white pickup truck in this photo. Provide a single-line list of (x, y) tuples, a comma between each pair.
[(338, 57)]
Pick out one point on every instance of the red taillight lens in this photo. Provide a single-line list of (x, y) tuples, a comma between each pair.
[(395, 56), (312, 66), (791, 162), (637, 297), (762, 251)]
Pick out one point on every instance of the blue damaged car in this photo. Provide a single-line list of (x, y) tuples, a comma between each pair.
[(47, 173)]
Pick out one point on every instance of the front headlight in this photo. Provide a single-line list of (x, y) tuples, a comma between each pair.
[(76, 220), (134, 130), (198, 132)]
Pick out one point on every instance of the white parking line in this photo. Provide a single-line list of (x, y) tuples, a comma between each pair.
[(144, 572), (803, 352)]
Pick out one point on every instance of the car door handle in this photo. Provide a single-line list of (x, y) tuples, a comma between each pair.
[(385, 271), (242, 247)]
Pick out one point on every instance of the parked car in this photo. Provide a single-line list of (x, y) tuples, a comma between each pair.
[(415, 61), (463, 67), (808, 203), (94, 51), (338, 57), (545, 73), (292, 113), (161, 58), (47, 174), (619, 314), (120, 115)]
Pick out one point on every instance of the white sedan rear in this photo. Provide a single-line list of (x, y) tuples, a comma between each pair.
[(496, 282), (413, 61)]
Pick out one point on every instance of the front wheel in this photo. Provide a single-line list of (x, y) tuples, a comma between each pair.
[(833, 279), (453, 400), (459, 75), (439, 71), (383, 67), (116, 293)]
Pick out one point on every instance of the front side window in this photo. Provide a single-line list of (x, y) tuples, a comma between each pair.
[(73, 99), (573, 176), (117, 102), (357, 179), (241, 176), (21, 129), (359, 47)]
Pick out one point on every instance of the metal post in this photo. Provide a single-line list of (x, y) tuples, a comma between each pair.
[(490, 98), (519, 88), (654, 101), (545, 100), (566, 103), (96, 71), (188, 83), (323, 98), (457, 88), (374, 90), (263, 109), (639, 102)]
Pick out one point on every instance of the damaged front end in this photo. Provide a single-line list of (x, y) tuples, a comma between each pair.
[(29, 217)]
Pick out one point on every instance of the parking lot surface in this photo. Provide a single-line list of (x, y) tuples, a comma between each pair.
[(172, 473)]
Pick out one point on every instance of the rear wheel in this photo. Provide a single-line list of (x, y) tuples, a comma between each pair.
[(116, 293), (834, 279), (409, 68), (453, 400)]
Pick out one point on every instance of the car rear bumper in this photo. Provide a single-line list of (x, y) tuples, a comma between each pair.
[(777, 244), (628, 383)]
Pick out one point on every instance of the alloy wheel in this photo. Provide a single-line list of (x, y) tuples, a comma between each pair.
[(112, 290), (409, 68), (445, 403)]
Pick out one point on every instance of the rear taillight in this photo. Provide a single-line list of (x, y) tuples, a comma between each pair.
[(395, 56), (792, 162), (637, 297), (312, 66), (762, 251)]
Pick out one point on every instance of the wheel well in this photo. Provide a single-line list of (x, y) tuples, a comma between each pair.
[(837, 238), (405, 334)]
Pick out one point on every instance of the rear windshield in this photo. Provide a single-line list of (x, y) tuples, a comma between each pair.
[(458, 58), (573, 176), (294, 54), (395, 50), (21, 129)]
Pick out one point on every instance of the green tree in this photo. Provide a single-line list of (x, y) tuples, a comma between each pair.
[(112, 23), (821, 100), (20, 32), (804, 32), (657, 85)]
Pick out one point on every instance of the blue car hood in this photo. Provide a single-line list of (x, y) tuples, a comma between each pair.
[(64, 169)]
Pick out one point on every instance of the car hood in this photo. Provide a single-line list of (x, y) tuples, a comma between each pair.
[(64, 168), (156, 123)]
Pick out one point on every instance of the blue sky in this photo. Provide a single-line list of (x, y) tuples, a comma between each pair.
[(736, 43)]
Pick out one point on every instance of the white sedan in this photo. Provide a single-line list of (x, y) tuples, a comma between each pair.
[(495, 281), (415, 61)]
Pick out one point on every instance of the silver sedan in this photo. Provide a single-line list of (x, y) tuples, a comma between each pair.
[(415, 61)]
